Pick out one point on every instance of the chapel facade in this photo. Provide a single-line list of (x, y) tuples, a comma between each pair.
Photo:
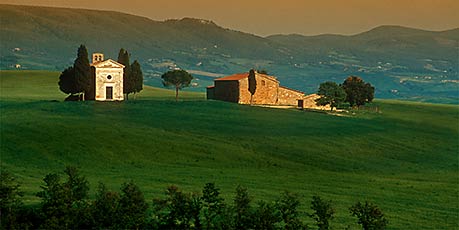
[(108, 77)]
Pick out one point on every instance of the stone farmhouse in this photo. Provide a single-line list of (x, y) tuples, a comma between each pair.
[(235, 88), (108, 85)]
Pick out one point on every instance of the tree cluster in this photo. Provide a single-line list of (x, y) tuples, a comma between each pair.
[(78, 81), (132, 76), (353, 90), (66, 205)]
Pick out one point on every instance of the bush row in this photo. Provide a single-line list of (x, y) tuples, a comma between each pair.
[(65, 205)]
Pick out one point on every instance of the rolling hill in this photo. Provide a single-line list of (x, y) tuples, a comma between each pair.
[(404, 159), (401, 62)]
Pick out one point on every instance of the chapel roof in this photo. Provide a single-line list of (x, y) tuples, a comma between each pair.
[(109, 63)]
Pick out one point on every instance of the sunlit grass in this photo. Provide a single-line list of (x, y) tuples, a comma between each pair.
[(405, 158)]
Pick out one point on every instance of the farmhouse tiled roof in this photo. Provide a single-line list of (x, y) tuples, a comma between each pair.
[(291, 89), (234, 77), (239, 76)]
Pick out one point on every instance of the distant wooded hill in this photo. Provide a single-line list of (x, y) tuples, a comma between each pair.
[(401, 62)]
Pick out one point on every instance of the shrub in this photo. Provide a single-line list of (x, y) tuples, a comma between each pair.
[(287, 206), (369, 216), (323, 212), (242, 211), (132, 207), (266, 216)]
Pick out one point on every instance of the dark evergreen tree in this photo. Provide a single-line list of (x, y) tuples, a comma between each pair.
[(128, 82), (243, 216), (177, 211), (330, 94), (252, 84), (287, 205), (76, 185), (105, 208), (10, 202), (369, 216), (82, 71), (323, 212), (357, 91), (63, 204), (91, 94), (262, 71), (132, 207), (266, 216), (213, 207), (67, 81), (178, 79), (120, 55), (195, 210), (137, 76)]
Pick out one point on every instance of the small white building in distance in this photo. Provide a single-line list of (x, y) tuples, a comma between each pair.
[(108, 78)]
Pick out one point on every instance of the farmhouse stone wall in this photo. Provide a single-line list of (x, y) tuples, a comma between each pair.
[(226, 91), (210, 92), (265, 94), (288, 96), (309, 102), (235, 88)]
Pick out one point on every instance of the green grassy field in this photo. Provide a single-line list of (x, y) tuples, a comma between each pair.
[(405, 159)]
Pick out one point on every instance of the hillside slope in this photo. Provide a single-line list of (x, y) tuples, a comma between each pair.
[(401, 62), (404, 159)]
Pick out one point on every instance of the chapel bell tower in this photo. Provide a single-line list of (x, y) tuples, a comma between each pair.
[(97, 57)]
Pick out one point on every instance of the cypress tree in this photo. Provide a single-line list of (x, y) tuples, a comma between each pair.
[(120, 55), (252, 84), (137, 76), (82, 71), (123, 58), (67, 83)]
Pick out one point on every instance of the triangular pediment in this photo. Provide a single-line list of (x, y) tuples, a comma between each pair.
[(109, 63)]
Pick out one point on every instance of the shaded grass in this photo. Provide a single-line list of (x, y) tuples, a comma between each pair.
[(404, 159)]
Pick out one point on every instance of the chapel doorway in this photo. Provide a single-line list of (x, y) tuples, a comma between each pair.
[(109, 93)]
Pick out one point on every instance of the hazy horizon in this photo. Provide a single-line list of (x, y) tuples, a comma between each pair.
[(287, 17)]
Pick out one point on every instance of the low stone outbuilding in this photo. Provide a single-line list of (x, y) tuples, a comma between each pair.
[(235, 88), (309, 102)]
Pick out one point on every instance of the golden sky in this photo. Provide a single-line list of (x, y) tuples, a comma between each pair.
[(266, 17)]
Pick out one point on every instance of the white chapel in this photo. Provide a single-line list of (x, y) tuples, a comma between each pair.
[(109, 78)]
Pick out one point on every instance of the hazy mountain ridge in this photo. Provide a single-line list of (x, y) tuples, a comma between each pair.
[(391, 57)]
